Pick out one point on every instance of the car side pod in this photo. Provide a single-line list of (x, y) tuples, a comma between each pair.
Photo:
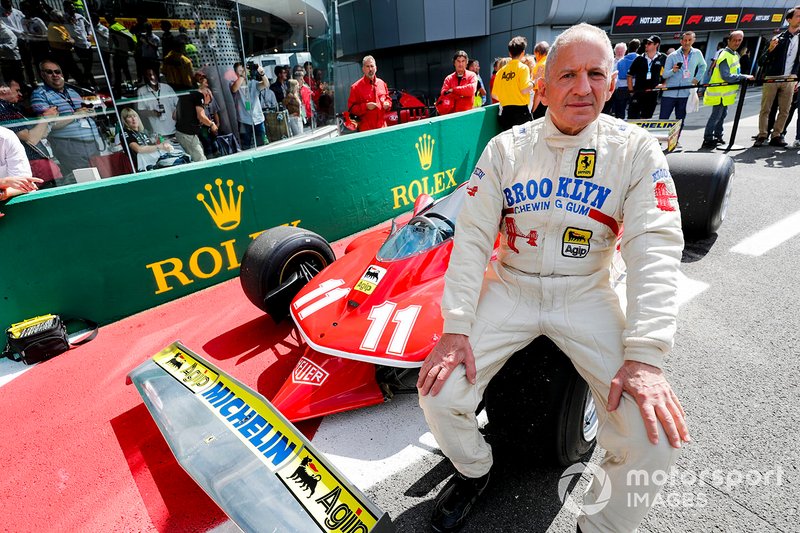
[(261, 471), (323, 385)]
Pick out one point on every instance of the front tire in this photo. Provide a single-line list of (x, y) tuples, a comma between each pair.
[(539, 403), (280, 262)]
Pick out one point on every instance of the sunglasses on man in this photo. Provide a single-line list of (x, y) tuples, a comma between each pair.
[(56, 72)]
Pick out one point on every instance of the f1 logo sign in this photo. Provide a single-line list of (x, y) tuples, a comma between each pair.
[(747, 18), (627, 20), (694, 19)]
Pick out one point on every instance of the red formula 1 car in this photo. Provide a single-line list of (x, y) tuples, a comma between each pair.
[(370, 318)]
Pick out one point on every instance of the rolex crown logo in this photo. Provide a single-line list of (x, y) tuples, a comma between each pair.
[(224, 210), (425, 151)]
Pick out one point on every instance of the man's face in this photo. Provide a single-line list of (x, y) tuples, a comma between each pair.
[(11, 94), (476, 67), (52, 75), (794, 20), (370, 69), (686, 42), (151, 77), (650, 47), (577, 85), (735, 41), (461, 65)]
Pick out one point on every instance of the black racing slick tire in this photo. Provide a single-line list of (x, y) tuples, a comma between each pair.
[(539, 404), (280, 262), (703, 183)]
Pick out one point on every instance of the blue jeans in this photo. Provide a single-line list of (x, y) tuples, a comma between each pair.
[(669, 103), (715, 121), (246, 134)]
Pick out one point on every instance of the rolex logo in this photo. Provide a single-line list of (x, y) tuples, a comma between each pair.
[(425, 151), (224, 210)]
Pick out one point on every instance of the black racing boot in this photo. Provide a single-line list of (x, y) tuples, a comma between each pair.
[(455, 500)]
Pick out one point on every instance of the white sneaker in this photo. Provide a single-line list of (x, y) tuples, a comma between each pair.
[(796, 143)]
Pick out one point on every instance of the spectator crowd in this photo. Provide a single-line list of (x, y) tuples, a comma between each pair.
[(170, 108), (160, 104)]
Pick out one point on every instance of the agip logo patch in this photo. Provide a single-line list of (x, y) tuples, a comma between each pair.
[(584, 164), (370, 279), (576, 242)]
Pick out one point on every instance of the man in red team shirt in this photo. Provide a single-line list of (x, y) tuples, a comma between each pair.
[(369, 98), (462, 83)]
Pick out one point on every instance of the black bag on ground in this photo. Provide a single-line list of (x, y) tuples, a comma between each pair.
[(43, 337)]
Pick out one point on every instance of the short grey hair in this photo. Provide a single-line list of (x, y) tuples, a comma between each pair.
[(581, 33), (367, 58)]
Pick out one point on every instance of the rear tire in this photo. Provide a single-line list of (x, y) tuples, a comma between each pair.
[(538, 403), (703, 183), (280, 262)]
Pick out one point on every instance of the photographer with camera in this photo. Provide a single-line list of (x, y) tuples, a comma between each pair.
[(685, 66), (248, 104)]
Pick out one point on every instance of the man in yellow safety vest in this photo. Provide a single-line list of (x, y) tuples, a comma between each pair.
[(720, 97)]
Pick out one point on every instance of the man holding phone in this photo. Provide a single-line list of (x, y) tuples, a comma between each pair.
[(684, 67)]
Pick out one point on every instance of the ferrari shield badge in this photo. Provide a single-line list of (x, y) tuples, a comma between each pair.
[(370, 279), (584, 165)]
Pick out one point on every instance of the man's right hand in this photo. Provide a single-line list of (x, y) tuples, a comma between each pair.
[(773, 43), (451, 350)]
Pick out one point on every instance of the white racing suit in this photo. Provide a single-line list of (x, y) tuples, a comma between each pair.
[(559, 202)]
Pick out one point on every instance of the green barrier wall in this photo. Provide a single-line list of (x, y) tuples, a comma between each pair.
[(108, 249)]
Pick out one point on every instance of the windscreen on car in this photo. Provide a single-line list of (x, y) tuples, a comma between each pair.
[(424, 231)]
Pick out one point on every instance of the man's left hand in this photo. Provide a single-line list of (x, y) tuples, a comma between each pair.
[(656, 400), (386, 105)]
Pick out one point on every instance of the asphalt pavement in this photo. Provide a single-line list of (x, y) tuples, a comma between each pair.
[(735, 366)]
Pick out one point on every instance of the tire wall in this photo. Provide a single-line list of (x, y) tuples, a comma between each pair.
[(105, 250)]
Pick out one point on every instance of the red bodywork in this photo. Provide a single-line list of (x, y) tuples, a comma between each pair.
[(357, 313), (405, 108)]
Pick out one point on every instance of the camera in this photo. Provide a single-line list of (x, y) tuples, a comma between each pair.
[(253, 69), (160, 108)]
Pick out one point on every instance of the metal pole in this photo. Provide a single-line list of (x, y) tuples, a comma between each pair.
[(740, 105), (754, 57)]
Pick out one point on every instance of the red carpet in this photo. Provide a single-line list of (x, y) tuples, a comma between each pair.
[(78, 449)]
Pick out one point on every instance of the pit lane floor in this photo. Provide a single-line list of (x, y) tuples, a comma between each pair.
[(80, 452)]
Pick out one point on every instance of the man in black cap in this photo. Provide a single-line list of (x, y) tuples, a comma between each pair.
[(645, 73)]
